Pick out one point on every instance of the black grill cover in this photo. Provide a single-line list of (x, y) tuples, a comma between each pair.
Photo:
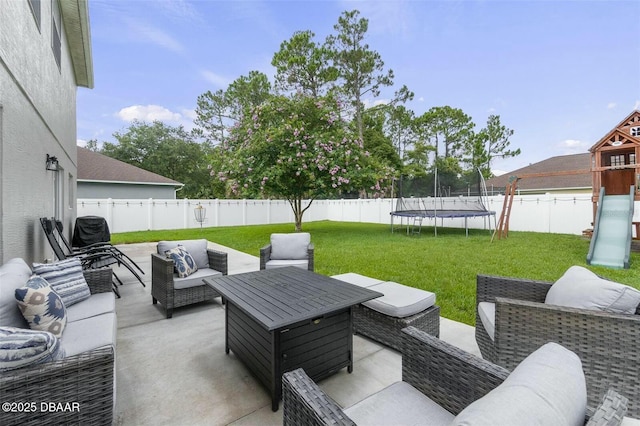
[(90, 230)]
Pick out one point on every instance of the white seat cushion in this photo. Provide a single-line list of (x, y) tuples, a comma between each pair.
[(13, 274), (290, 246), (546, 388), (89, 333), (398, 404), (357, 279), (272, 264), (487, 313), (581, 288), (194, 279), (399, 300), (97, 304), (196, 248)]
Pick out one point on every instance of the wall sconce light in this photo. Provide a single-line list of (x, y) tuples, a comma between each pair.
[(52, 163)]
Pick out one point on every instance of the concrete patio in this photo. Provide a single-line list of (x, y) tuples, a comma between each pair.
[(175, 371)]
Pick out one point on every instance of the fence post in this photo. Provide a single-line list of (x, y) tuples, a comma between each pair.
[(110, 213), (184, 213), (150, 214)]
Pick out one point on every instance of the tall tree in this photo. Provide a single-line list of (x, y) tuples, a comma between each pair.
[(165, 150), (213, 116), (303, 65), (496, 143), (247, 92), (449, 127), (360, 68), (378, 143), (297, 148)]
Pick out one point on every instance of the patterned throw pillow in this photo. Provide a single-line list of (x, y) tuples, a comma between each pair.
[(20, 347), (66, 279), (184, 265), (41, 306)]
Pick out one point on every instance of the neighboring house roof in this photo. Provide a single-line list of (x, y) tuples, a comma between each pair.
[(561, 172), (96, 167), (75, 18)]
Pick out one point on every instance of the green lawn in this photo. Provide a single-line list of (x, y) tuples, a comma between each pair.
[(446, 265)]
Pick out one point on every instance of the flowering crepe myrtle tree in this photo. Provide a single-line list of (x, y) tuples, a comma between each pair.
[(297, 148)]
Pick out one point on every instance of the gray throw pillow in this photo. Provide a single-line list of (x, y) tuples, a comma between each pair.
[(546, 388), (581, 288), (66, 279)]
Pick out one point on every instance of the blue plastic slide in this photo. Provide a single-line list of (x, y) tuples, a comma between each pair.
[(611, 239)]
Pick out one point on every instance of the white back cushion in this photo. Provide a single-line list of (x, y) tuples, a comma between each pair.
[(546, 388), (581, 288), (290, 246)]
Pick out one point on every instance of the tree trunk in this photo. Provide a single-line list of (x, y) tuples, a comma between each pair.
[(298, 211)]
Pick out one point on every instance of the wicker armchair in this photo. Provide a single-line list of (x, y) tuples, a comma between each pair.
[(162, 282), (606, 343), (85, 379), (297, 245), (448, 376)]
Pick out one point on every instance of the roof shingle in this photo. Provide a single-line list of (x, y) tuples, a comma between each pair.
[(98, 167), (553, 167)]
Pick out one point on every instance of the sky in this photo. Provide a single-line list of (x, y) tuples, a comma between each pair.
[(560, 74)]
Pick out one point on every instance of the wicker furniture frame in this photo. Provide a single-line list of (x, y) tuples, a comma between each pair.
[(387, 330), (86, 379), (447, 375), (162, 286), (265, 256), (606, 343)]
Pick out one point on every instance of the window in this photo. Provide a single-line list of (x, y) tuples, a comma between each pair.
[(56, 31), (617, 160), (635, 131), (35, 9)]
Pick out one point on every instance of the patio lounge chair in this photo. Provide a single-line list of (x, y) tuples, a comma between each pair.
[(607, 343), (107, 246), (173, 291), (440, 381), (91, 258), (288, 250)]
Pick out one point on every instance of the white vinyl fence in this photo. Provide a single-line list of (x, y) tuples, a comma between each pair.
[(550, 213)]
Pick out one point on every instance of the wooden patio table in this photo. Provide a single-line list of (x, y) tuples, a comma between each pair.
[(281, 319)]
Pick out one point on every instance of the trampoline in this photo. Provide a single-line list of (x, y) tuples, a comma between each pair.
[(470, 204)]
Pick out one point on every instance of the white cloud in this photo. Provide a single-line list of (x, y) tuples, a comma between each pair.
[(368, 103), (216, 79), (611, 105), (148, 113), (81, 142), (421, 99), (498, 172), (572, 146), (637, 105), (150, 34)]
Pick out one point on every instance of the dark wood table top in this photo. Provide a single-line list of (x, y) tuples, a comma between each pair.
[(283, 296)]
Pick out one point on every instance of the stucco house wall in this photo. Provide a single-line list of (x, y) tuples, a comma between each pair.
[(37, 117)]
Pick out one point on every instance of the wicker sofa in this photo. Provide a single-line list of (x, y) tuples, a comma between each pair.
[(174, 292), (439, 381), (607, 343), (84, 378)]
